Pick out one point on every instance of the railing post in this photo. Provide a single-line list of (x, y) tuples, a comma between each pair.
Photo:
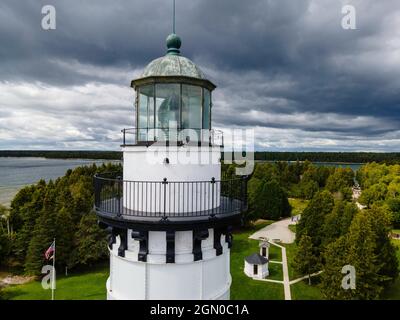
[(96, 192), (119, 182), (212, 195), (165, 182)]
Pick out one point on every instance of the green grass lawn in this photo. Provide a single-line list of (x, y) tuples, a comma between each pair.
[(292, 228), (303, 291), (90, 285), (298, 205), (290, 252), (244, 287), (86, 286)]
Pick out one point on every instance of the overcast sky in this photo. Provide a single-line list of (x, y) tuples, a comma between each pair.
[(285, 68)]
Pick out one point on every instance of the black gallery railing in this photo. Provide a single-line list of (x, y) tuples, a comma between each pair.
[(135, 136), (115, 197)]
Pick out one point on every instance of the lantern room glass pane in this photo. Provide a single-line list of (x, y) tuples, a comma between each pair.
[(145, 111), (207, 109), (191, 107), (167, 105)]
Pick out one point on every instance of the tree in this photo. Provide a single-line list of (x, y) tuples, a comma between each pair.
[(4, 245), (340, 180), (271, 201), (374, 193), (305, 260), (90, 242), (368, 249), (64, 236), (252, 213), (394, 207), (334, 257), (313, 218), (44, 232), (308, 188), (5, 219), (362, 254)]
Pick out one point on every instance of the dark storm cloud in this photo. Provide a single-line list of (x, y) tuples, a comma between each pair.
[(279, 64)]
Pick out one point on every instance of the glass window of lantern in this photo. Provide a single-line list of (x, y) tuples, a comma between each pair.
[(167, 107), (191, 108), (206, 109), (145, 111)]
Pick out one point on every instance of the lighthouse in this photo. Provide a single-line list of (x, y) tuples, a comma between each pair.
[(170, 212)]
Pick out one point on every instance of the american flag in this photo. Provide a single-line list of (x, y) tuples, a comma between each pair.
[(49, 254)]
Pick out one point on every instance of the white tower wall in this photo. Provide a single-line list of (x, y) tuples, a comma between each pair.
[(186, 279), (186, 164)]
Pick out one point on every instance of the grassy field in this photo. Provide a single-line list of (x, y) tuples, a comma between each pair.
[(303, 291), (90, 285), (85, 286), (244, 287)]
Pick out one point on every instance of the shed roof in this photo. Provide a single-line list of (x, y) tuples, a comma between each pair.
[(256, 258)]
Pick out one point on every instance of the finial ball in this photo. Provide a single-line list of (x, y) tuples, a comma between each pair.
[(173, 41)]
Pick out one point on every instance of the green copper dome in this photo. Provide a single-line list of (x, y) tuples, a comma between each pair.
[(173, 64)]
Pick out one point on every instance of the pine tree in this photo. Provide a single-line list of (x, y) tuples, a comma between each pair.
[(271, 201), (4, 245), (64, 237), (305, 260), (362, 254), (331, 278), (43, 234), (313, 218), (90, 242)]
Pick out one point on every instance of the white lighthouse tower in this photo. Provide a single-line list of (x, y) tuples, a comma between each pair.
[(170, 212)]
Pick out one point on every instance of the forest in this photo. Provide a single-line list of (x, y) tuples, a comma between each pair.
[(333, 232), (61, 209), (347, 157)]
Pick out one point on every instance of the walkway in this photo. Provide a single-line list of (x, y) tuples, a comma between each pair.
[(279, 231), (276, 231)]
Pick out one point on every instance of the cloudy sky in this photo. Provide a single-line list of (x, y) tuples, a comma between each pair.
[(285, 68)]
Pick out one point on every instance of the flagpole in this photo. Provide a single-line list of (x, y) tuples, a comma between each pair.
[(54, 271)]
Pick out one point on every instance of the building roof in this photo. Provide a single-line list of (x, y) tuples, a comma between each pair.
[(256, 258), (173, 65)]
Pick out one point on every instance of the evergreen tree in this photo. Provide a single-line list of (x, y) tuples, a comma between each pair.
[(333, 223), (313, 218), (43, 234), (306, 260), (350, 210), (334, 257), (271, 201), (90, 242), (362, 254), (4, 245), (65, 229)]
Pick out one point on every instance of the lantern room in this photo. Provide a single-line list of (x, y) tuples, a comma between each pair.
[(172, 96)]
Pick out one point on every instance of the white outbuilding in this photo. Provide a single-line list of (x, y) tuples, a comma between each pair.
[(256, 266), (264, 248)]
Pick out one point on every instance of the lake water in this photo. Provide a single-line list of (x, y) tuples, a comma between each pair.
[(16, 173)]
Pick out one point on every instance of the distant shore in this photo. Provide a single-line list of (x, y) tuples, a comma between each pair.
[(322, 157)]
